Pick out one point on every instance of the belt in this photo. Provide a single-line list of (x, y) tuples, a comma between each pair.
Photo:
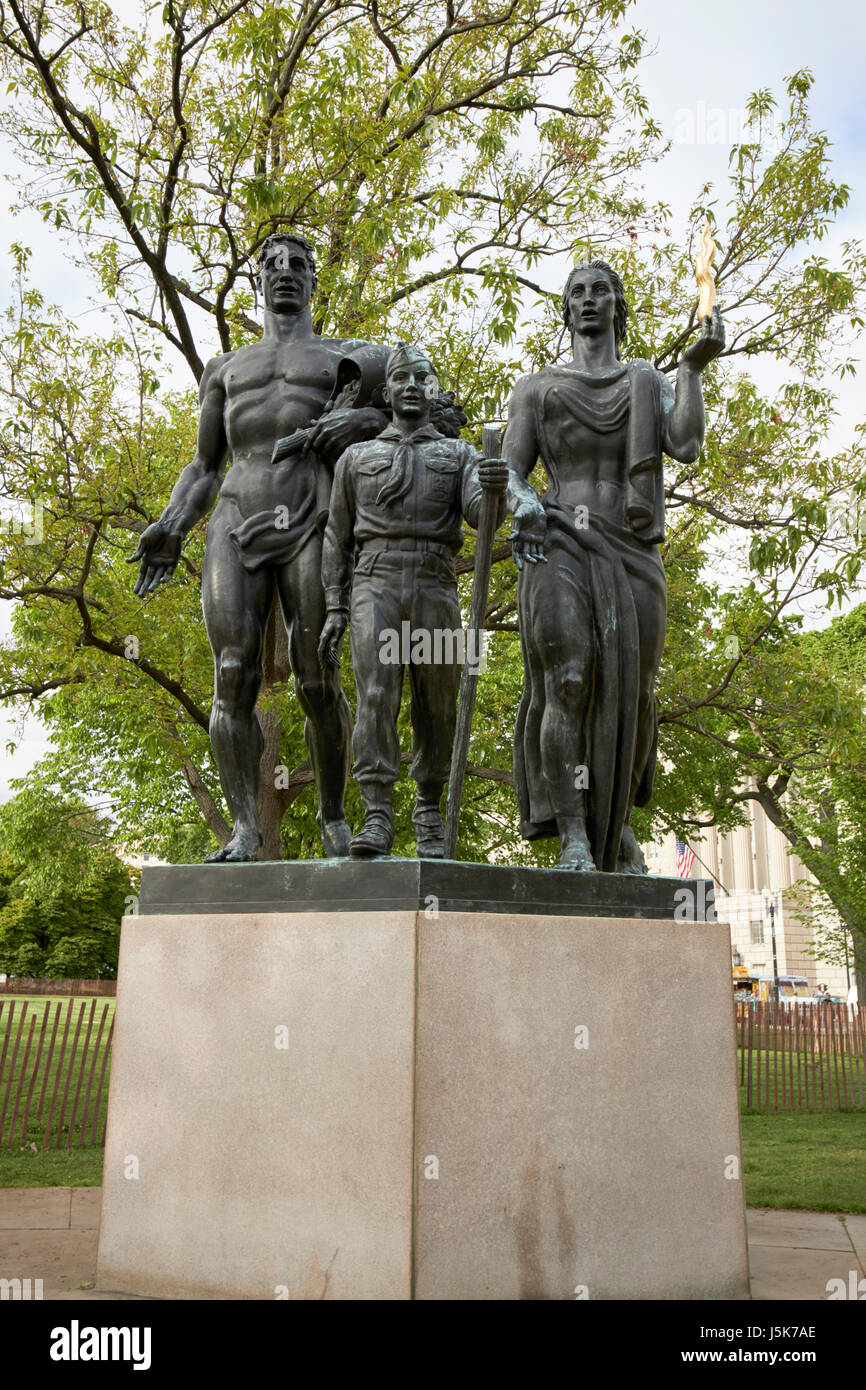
[(406, 543)]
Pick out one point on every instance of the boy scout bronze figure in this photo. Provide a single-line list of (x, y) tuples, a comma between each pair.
[(397, 505)]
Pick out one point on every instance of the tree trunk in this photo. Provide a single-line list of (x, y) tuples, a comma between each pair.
[(858, 960), (209, 808), (849, 917), (211, 812)]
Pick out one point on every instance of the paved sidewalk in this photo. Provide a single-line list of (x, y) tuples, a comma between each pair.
[(49, 1233), (793, 1254)]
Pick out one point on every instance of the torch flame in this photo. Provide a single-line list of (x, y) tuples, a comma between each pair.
[(704, 272)]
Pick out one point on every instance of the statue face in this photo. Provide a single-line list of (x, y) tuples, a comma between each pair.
[(591, 303), (412, 387), (286, 278)]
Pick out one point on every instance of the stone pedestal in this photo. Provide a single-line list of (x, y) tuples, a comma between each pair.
[(411, 1101)]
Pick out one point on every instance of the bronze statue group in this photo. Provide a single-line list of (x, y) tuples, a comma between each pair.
[(347, 490)]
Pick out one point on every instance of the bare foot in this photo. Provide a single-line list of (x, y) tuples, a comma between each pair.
[(241, 848), (575, 852), (630, 859)]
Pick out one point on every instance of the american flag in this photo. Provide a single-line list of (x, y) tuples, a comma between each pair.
[(685, 859)]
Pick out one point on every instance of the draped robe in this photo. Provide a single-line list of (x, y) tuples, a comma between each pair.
[(602, 565)]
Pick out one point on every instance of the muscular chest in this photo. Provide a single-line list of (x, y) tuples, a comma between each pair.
[(273, 388)]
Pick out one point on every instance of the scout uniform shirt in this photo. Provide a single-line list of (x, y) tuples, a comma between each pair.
[(395, 490)]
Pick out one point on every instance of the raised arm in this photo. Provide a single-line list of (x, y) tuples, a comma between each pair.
[(683, 409), (160, 544)]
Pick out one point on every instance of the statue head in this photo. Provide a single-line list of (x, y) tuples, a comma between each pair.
[(411, 386), (286, 271), (609, 307)]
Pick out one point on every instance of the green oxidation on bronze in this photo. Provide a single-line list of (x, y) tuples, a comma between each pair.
[(425, 885)]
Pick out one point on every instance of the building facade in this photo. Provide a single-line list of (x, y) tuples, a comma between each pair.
[(746, 866)]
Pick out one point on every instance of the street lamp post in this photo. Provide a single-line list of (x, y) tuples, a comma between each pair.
[(770, 907)]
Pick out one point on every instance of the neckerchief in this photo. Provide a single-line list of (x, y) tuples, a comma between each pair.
[(402, 472)]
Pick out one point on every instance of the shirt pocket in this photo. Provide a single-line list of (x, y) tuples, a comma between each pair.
[(365, 562), (441, 476), (370, 477), (441, 570)]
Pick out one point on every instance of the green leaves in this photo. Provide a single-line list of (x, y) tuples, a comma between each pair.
[(367, 130), (444, 179), (63, 889)]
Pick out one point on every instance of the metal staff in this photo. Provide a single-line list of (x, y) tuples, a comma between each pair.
[(477, 611)]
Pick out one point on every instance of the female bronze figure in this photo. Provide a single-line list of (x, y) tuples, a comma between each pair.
[(592, 619)]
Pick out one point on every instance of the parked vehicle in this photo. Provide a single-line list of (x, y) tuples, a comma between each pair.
[(791, 987), (745, 985)]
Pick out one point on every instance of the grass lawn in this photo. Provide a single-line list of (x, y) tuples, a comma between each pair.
[(788, 1075), (814, 1162), (808, 1160), (51, 1167), (46, 1167), (38, 1002)]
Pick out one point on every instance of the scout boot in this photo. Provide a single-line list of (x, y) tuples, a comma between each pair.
[(429, 828), (376, 836)]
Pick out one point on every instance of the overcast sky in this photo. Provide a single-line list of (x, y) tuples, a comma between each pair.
[(708, 59)]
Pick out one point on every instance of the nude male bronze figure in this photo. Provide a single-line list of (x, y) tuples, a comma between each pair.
[(266, 532)]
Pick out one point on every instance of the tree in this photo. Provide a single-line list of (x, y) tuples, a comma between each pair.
[(797, 745), (64, 889), (174, 152), (437, 157)]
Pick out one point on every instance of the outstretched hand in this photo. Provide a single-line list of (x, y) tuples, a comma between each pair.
[(159, 551), (709, 344), (528, 533)]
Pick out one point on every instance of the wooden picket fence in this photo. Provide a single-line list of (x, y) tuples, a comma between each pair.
[(800, 1056), (54, 1062)]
